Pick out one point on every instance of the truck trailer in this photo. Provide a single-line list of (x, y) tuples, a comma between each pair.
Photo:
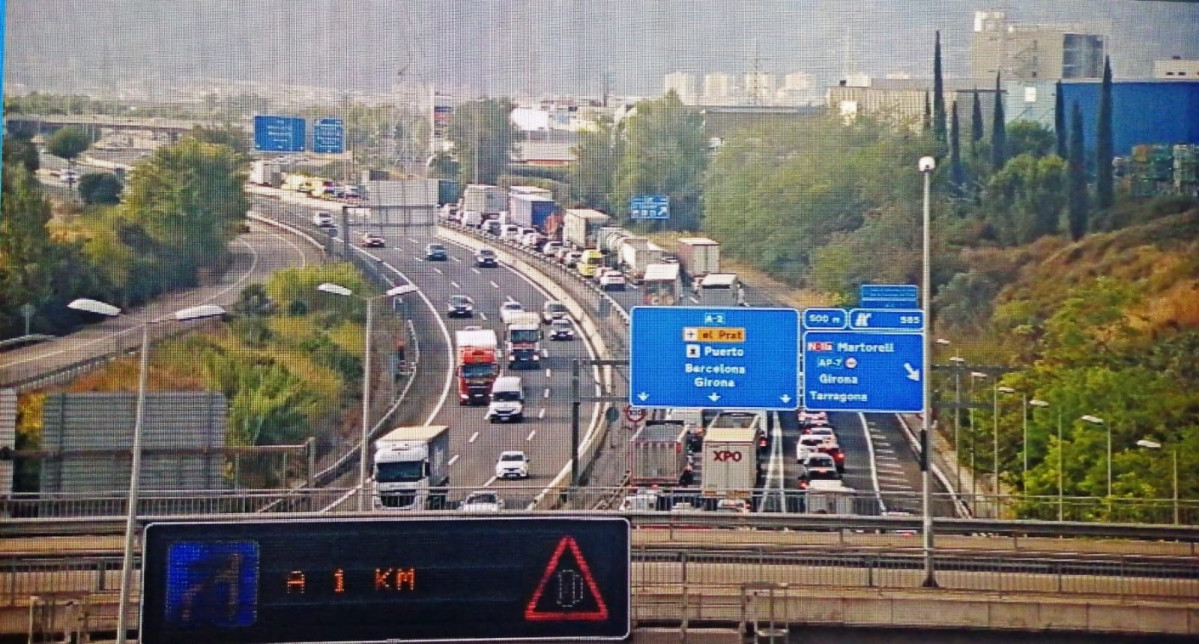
[(488, 201), (265, 173), (637, 253), (531, 210), (477, 364), (731, 468), (524, 341), (657, 453), (580, 225), (698, 256), (411, 468)]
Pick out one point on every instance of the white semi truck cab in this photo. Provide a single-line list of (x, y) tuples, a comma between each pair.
[(411, 468)]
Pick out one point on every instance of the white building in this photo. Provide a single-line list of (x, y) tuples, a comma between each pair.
[(719, 89), (1176, 69), (683, 84), (759, 88)]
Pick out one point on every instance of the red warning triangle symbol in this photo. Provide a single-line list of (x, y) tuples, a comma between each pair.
[(567, 590)]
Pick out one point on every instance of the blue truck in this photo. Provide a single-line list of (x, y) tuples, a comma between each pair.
[(531, 210)]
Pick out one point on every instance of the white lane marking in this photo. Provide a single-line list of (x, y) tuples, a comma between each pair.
[(693, 300), (632, 286), (531, 435), (547, 373), (477, 271), (413, 240), (509, 298), (870, 456), (483, 316), (547, 392), (598, 390), (489, 482), (454, 284), (545, 353), (454, 459), (473, 437), (884, 450), (438, 270), (541, 414), (493, 284), (455, 259)]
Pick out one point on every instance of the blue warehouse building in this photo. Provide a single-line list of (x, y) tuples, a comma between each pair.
[(1143, 112)]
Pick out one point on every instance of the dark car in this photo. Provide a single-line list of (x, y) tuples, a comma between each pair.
[(561, 329), (460, 306), (491, 227), (436, 252), (486, 258)]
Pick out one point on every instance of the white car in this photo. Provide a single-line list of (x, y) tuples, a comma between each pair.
[(808, 444), (509, 232), (825, 433), (509, 309), (323, 219), (551, 248), (482, 501), (612, 280), (512, 464)]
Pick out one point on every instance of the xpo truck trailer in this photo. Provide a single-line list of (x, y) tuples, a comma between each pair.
[(411, 468), (730, 463)]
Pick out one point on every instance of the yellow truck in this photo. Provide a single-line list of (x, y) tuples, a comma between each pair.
[(590, 261)]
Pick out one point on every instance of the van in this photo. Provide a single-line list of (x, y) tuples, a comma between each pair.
[(589, 261), (507, 400)]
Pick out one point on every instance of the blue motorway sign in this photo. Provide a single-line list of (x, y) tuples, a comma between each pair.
[(888, 292), (328, 136), (863, 371), (279, 133), (886, 319), (697, 357), (649, 207), (824, 319)]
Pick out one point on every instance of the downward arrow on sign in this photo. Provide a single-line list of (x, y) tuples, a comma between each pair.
[(913, 374)]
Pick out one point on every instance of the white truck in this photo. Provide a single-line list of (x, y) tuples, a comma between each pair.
[(580, 225), (411, 468), (524, 340), (488, 201), (720, 289), (636, 254), (698, 256), (657, 453), (265, 173), (730, 463)]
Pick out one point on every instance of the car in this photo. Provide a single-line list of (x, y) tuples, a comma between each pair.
[(486, 258), (571, 258), (561, 329), (733, 506), (553, 310), (68, 176), (509, 309), (512, 464), (482, 501), (560, 254), (810, 418), (459, 306), (532, 240), (550, 248), (371, 240), (640, 501), (825, 432), (807, 445), (509, 232), (838, 457), (436, 252), (612, 280), (817, 467), (323, 219), (491, 227)]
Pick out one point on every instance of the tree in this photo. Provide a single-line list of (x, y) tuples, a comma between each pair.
[(484, 138), (1024, 200), (444, 166), (21, 149), (665, 153), (24, 244), (1059, 120), (68, 143), (927, 123), (1079, 205), (957, 172), (938, 94), (596, 156), (100, 188), (1029, 137), (976, 125), (1103, 142), (998, 130)]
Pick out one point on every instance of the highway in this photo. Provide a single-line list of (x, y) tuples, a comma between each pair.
[(475, 444)]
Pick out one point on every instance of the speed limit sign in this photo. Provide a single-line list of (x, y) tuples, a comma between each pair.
[(634, 414)]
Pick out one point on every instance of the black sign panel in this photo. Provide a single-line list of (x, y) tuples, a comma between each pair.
[(394, 579)]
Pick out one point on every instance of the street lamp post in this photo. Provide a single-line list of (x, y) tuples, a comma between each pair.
[(363, 449), (1148, 444), (1041, 403), (974, 375), (135, 465), (1095, 420), (1024, 433), (957, 361), (926, 166)]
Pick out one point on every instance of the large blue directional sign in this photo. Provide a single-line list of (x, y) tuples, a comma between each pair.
[(649, 207), (889, 296), (886, 320), (697, 357), (279, 133), (328, 136), (863, 371)]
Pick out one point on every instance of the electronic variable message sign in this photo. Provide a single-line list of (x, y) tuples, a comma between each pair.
[(386, 580)]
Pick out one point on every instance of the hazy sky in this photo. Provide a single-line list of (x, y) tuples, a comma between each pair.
[(534, 46)]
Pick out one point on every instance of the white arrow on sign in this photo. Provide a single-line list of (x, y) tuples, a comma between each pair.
[(714, 397), (785, 398), (913, 374), (643, 396)]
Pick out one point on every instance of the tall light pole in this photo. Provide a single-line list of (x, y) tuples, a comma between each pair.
[(1024, 444), (1095, 420), (1148, 444), (364, 448), (135, 465), (926, 166), (957, 361), (974, 375), (1041, 403)]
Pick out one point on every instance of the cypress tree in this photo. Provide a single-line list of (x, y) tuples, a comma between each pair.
[(928, 114), (1059, 121), (1078, 205), (1103, 142), (976, 125), (998, 131), (958, 174), (938, 94)]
